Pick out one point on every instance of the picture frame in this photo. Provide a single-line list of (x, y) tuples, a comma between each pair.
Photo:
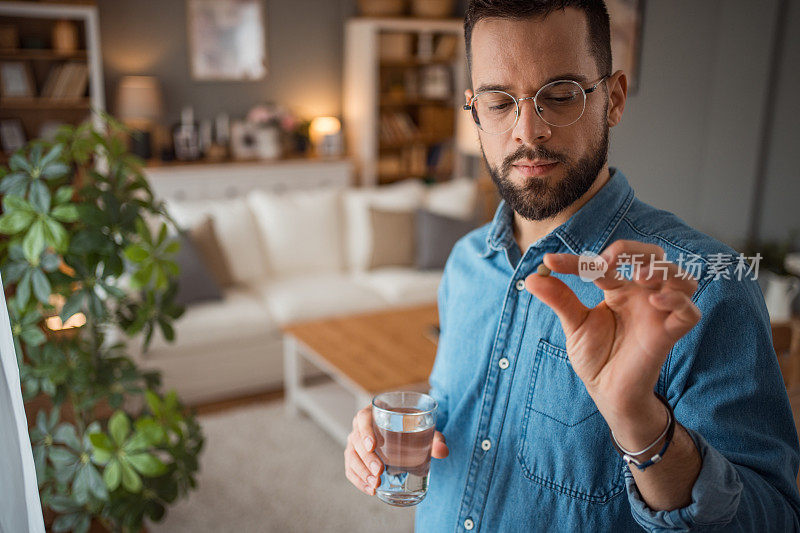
[(12, 135), (16, 80), (626, 38), (227, 40)]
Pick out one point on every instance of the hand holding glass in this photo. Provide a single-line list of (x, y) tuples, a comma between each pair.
[(404, 424)]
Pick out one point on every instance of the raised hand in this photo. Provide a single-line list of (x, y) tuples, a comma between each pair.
[(618, 347)]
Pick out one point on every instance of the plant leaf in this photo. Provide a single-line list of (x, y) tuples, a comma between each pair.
[(41, 286), (64, 194), (130, 479), (34, 242), (56, 234), (24, 289), (56, 170), (15, 221), (112, 475), (147, 464), (65, 434), (119, 426), (65, 213), (39, 196), (136, 253), (11, 203)]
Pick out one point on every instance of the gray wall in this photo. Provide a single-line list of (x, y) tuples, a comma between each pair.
[(688, 141), (304, 47), (781, 196)]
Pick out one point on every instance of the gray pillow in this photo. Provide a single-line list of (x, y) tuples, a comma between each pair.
[(195, 282), (436, 235)]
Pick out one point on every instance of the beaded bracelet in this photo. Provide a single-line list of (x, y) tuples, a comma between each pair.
[(669, 431)]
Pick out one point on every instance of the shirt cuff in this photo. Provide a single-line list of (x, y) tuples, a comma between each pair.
[(715, 495)]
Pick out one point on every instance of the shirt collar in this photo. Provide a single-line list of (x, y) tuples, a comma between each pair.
[(585, 231)]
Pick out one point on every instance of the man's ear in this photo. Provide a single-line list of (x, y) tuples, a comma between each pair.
[(468, 95), (617, 94)]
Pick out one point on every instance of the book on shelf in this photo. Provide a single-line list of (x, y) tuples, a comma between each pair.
[(68, 80), (397, 127), (445, 48)]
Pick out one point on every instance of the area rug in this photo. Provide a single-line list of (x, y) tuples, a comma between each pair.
[(263, 471)]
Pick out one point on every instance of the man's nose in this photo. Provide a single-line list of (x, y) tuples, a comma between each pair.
[(530, 128)]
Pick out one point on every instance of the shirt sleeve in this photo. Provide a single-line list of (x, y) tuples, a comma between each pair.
[(437, 379), (725, 386)]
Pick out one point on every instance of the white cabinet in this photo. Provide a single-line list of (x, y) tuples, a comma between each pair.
[(404, 80), (208, 181)]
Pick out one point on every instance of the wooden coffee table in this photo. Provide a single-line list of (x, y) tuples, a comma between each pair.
[(364, 355)]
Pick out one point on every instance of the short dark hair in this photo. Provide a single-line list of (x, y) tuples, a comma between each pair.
[(596, 16)]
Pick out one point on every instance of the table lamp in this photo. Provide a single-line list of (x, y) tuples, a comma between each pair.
[(140, 105), (326, 136)]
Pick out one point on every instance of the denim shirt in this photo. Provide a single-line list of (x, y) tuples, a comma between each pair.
[(529, 451)]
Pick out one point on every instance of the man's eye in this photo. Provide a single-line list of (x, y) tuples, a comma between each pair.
[(498, 107)]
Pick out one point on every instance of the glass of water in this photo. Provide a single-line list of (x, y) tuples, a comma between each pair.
[(404, 423)]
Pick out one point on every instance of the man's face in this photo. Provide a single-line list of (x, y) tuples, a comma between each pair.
[(524, 55)]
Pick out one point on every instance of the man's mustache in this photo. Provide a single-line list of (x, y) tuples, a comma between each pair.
[(527, 153)]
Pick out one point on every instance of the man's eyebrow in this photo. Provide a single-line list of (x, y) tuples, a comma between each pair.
[(580, 78)]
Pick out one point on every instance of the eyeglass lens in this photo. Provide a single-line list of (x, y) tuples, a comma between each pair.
[(559, 103)]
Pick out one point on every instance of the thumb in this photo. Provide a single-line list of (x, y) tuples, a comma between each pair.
[(560, 298), (439, 450)]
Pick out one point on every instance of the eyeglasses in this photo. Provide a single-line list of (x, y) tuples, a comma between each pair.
[(559, 103)]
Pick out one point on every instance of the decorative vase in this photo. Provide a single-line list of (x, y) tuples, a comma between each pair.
[(780, 293), (268, 142), (432, 8)]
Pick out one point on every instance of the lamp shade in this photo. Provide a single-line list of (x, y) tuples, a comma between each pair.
[(139, 100), (322, 126)]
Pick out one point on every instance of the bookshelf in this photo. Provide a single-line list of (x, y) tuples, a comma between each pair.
[(403, 86), (65, 85)]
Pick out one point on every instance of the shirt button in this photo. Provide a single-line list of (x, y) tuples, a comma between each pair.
[(486, 444), (469, 524), (503, 363), (520, 284)]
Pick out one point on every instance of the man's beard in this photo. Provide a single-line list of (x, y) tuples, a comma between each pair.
[(538, 200)]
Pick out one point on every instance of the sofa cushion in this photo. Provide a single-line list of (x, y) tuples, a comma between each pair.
[(236, 230), (311, 297), (392, 238), (300, 231), (240, 314), (195, 282), (457, 198), (406, 196), (206, 242), (435, 237), (402, 286)]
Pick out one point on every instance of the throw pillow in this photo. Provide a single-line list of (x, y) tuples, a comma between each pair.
[(435, 237), (205, 240), (457, 198), (300, 230), (195, 282), (392, 238), (236, 230), (406, 195)]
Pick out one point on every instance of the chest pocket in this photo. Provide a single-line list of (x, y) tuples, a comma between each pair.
[(565, 443)]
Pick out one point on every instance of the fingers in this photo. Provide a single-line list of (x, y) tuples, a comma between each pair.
[(439, 449), (683, 313), (357, 473), (362, 466), (646, 263), (559, 297), (363, 422)]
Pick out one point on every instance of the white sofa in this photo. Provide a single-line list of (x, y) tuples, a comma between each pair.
[(295, 256)]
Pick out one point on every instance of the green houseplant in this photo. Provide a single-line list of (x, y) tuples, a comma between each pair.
[(86, 255)]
